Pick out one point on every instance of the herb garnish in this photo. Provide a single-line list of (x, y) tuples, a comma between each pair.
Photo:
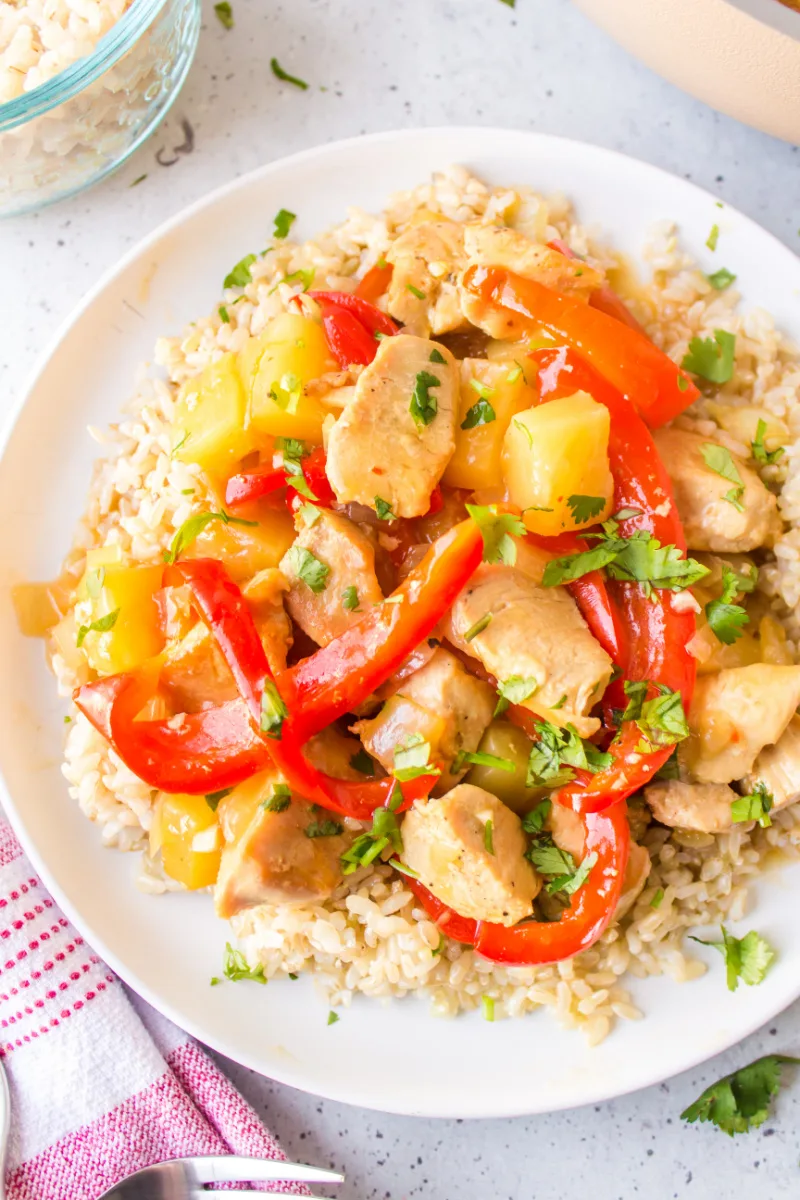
[(740, 1101), (236, 967), (481, 413), (437, 356), (557, 751), (719, 460), (755, 806), (101, 625), (284, 220), (726, 620), (760, 452), (308, 567), (192, 527), (213, 798), (711, 358), (713, 237), (514, 690), (384, 509), (496, 530), (415, 291), (350, 599), (480, 758), (240, 274), (368, 846), (411, 759), (333, 1017), (721, 279), (746, 958), (661, 719), (273, 711), (279, 73), (224, 14), (279, 799), (324, 828), (362, 762), (424, 406), (478, 627), (585, 508)]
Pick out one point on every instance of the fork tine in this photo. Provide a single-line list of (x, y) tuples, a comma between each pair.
[(233, 1168)]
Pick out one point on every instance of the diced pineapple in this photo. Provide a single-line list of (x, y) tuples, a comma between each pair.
[(209, 426), (476, 463), (555, 463), (275, 366), (186, 831), (742, 423), (774, 648), (245, 549), (134, 634)]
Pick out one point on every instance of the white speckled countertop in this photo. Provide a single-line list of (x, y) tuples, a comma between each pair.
[(429, 62)]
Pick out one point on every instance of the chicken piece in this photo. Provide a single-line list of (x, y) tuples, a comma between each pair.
[(703, 807), (710, 521), (444, 841), (734, 715), (423, 294), (445, 704), (269, 857), (496, 246), (195, 675), (778, 768), (348, 554), (264, 593), (376, 448), (566, 828), (536, 633), (332, 753)]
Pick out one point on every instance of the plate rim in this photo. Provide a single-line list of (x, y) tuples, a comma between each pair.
[(346, 1094)]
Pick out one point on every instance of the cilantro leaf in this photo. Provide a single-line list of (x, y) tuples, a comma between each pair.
[(760, 452), (350, 599), (480, 758), (424, 406), (412, 759), (284, 220), (273, 711), (726, 620), (213, 798), (308, 567), (437, 356), (638, 559), (101, 625), (192, 527), (713, 237), (755, 806), (746, 958), (333, 1017), (480, 413), (279, 799), (369, 845), (415, 291), (585, 508), (362, 762), (279, 73), (224, 315), (324, 828), (384, 509), (496, 530), (550, 859), (721, 279), (711, 358), (740, 1101), (224, 14), (478, 627), (235, 967), (661, 719), (240, 274), (514, 690), (534, 821), (720, 460), (488, 837)]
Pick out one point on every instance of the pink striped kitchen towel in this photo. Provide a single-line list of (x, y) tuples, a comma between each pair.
[(99, 1087)]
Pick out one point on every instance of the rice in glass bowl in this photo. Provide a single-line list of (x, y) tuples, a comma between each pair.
[(82, 84)]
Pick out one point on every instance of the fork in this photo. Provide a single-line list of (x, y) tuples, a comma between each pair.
[(183, 1178)]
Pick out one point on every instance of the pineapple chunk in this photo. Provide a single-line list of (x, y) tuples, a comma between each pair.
[(134, 634), (209, 423), (275, 366), (555, 454), (476, 462), (245, 549), (187, 833)]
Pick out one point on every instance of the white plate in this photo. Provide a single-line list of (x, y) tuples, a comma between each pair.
[(393, 1057)]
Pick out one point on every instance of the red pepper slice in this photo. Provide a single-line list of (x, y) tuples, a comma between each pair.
[(315, 475), (252, 485), (657, 635), (656, 387), (376, 282), (604, 299), (460, 929), (340, 676), (350, 325), (531, 942)]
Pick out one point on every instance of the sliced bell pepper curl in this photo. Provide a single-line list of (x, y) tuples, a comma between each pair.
[(460, 929), (350, 325), (656, 387), (605, 299), (656, 635), (258, 482), (340, 676), (375, 282), (592, 906), (315, 475)]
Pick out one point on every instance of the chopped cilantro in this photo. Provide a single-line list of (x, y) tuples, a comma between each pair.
[(333, 1017), (279, 799), (720, 461), (213, 798), (350, 599), (760, 452), (657, 899), (496, 530), (235, 967), (523, 428), (437, 356), (585, 508), (307, 514), (755, 806), (487, 1002), (412, 759), (711, 358), (403, 868), (224, 315), (515, 374), (273, 711), (424, 406), (746, 958), (191, 529), (384, 509), (726, 620), (713, 237), (740, 1101), (478, 627), (240, 274), (324, 828), (481, 413), (661, 719), (362, 762), (279, 73), (488, 837), (101, 625), (224, 14), (479, 758), (534, 821), (721, 279), (308, 567), (368, 846), (284, 220), (515, 690), (415, 291), (556, 751)]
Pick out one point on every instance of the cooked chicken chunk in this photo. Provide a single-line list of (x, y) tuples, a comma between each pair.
[(704, 807), (743, 522), (567, 830), (271, 857), (440, 697), (195, 675), (427, 259), (264, 593), (445, 840), (315, 598), (537, 634), (778, 768), (734, 715), (377, 449)]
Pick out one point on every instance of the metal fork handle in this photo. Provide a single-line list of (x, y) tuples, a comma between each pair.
[(232, 1168)]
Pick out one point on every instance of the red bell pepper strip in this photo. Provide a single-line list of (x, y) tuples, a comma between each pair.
[(252, 485), (589, 914), (656, 387), (656, 635), (376, 282), (350, 325), (340, 676), (460, 929), (604, 298), (316, 477)]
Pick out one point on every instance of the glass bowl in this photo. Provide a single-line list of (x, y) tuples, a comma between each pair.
[(75, 128)]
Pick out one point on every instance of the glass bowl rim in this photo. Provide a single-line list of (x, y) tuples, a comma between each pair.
[(84, 71)]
